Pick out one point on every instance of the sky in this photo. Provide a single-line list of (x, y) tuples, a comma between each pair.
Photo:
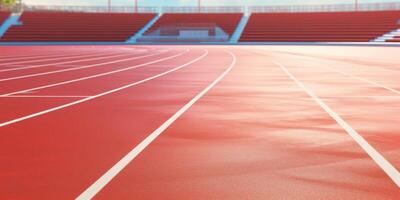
[(192, 2)]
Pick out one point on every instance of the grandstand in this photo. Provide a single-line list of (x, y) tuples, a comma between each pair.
[(332, 23), (320, 27), (76, 27)]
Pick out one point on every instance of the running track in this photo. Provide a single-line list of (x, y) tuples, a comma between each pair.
[(199, 122)]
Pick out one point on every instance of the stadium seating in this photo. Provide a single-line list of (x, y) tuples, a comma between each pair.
[(76, 27), (319, 27), (226, 21), (3, 17)]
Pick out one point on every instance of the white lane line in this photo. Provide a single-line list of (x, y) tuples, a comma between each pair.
[(387, 167), (101, 94), (45, 96), (364, 80), (363, 96), (344, 96), (70, 52), (307, 59), (80, 67), (51, 54), (99, 184), (92, 76), (324, 59), (97, 56)]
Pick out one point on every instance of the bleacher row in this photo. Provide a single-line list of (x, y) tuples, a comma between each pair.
[(320, 27), (65, 27), (261, 27)]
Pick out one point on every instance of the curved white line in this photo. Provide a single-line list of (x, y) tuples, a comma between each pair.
[(51, 54), (90, 77), (90, 192), (97, 56), (80, 67), (104, 93)]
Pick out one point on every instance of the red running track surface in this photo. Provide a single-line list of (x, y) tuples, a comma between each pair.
[(199, 122)]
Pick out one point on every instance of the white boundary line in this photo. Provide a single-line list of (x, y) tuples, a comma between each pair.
[(364, 80), (104, 93), (51, 54), (305, 56), (80, 67), (46, 96), (93, 76), (361, 96), (90, 192), (339, 72), (55, 52), (385, 165), (96, 56)]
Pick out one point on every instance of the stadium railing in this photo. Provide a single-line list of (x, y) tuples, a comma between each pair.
[(94, 9), (222, 9)]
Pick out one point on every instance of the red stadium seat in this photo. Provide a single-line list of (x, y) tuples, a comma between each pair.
[(319, 27), (76, 27)]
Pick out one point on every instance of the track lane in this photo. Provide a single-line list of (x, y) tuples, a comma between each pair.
[(67, 76), (14, 75), (59, 61), (24, 52), (371, 73), (253, 136), (29, 57), (91, 87), (373, 116), (105, 179), (82, 64), (256, 135), (28, 64), (106, 128), (14, 55)]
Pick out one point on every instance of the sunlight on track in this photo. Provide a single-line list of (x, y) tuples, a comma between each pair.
[(386, 166)]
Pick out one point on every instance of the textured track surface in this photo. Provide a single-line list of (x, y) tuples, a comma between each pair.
[(199, 122)]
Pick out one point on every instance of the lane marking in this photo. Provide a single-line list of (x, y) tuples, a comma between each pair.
[(92, 76), (76, 52), (363, 96), (343, 96), (364, 80), (99, 184), (80, 67), (385, 165), (104, 93), (376, 84), (98, 56), (46, 96), (50, 54), (305, 56)]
